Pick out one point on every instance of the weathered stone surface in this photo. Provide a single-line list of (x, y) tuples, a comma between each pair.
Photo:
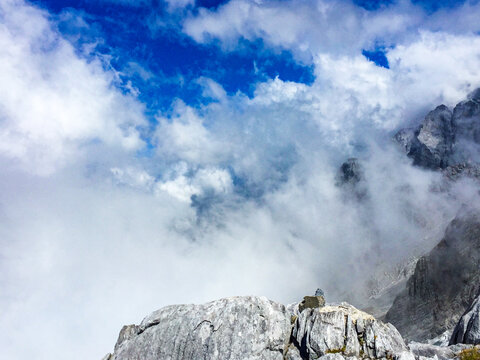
[(467, 330), (345, 331), (255, 328), (231, 328), (444, 284)]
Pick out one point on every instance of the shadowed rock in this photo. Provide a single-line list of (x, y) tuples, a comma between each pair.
[(351, 178), (431, 145), (445, 138), (467, 330), (444, 283)]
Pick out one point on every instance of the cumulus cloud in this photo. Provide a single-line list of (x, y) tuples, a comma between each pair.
[(53, 103), (235, 197)]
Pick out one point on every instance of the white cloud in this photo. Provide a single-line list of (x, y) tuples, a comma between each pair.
[(52, 102), (108, 236)]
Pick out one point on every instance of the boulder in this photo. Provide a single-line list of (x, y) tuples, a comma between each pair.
[(344, 331), (231, 328)]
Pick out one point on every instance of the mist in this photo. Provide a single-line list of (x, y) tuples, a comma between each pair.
[(106, 215)]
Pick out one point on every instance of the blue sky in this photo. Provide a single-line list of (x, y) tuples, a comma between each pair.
[(155, 153), (128, 34)]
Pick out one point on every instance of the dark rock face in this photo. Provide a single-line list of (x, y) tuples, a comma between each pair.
[(351, 178), (467, 330), (462, 170), (350, 172), (256, 328), (445, 138), (444, 283)]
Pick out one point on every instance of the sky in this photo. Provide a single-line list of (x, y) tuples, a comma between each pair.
[(163, 152)]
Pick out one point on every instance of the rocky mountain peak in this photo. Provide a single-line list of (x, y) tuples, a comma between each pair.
[(444, 137)]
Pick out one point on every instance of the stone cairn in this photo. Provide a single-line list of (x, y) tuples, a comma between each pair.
[(312, 302)]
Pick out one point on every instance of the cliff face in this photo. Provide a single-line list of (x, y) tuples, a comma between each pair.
[(444, 137), (257, 328), (467, 330), (444, 284)]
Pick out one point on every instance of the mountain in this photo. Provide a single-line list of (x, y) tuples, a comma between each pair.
[(445, 137), (444, 283)]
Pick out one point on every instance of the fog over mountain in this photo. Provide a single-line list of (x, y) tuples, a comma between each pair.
[(111, 207)]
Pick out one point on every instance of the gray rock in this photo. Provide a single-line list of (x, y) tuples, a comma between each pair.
[(431, 145), (467, 330), (466, 116), (333, 330), (444, 283), (292, 353), (430, 351), (445, 138), (255, 328), (231, 328)]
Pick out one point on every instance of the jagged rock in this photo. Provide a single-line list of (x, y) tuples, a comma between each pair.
[(431, 145), (467, 330), (442, 339), (346, 332), (430, 351), (350, 172), (231, 328), (466, 116), (444, 283), (311, 302), (350, 176), (256, 328), (457, 171), (445, 138)]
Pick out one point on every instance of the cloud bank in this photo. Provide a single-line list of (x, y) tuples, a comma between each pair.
[(106, 215)]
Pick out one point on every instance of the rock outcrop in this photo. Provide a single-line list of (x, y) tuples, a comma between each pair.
[(444, 283), (431, 144), (467, 330), (257, 328), (444, 137), (344, 330), (350, 176), (231, 328)]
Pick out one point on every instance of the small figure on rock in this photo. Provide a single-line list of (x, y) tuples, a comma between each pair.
[(319, 292)]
